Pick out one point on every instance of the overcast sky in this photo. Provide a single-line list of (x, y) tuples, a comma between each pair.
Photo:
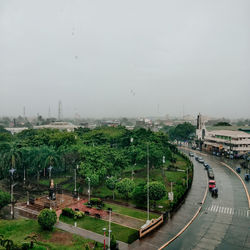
[(125, 58)]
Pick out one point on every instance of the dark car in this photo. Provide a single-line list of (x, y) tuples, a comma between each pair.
[(238, 170), (210, 173), (247, 177), (214, 191), (196, 157), (207, 166)]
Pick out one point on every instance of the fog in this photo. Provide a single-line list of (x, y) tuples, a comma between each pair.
[(125, 58)]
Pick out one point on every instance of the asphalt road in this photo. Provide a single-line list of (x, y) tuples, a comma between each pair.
[(224, 222)]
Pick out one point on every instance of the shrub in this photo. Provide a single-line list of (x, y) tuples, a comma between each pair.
[(78, 215), (113, 243), (125, 187), (96, 201), (47, 219), (132, 237), (4, 199), (69, 212)]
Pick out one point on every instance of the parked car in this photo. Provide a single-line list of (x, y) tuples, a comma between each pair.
[(211, 184), (247, 177), (191, 154), (210, 173), (200, 160), (207, 166), (238, 169), (196, 157)]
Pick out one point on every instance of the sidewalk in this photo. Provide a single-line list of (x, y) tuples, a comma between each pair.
[(181, 217), (87, 234)]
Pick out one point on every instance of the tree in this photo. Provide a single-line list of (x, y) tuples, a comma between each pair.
[(4, 199), (111, 184), (113, 244), (125, 187), (47, 219), (181, 131), (222, 124), (139, 194), (156, 191)]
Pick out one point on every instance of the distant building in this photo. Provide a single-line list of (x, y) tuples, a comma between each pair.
[(115, 123), (222, 141), (144, 123), (227, 141), (58, 125)]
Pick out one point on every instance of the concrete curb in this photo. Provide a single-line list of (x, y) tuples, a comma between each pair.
[(188, 224), (244, 185)]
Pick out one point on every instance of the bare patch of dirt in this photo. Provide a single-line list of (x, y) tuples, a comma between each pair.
[(61, 238)]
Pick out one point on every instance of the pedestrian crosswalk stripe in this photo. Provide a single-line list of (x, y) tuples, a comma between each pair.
[(228, 210)]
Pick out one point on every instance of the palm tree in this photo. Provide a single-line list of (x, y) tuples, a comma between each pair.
[(11, 158), (32, 238)]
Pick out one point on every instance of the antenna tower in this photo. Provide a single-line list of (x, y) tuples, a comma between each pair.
[(59, 111)]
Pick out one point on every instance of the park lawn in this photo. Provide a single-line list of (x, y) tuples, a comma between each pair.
[(173, 176), (181, 162), (130, 211), (121, 233), (102, 191), (17, 230)]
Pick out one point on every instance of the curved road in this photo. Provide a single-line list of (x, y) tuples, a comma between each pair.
[(224, 222)]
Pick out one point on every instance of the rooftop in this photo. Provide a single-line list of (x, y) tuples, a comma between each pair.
[(231, 133)]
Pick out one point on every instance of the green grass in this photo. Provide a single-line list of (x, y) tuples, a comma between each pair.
[(17, 230), (174, 176), (130, 211), (96, 225)]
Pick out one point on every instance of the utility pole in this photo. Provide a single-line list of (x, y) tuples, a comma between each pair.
[(147, 183)]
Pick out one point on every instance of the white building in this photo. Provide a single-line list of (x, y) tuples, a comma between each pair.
[(233, 142), (222, 141)]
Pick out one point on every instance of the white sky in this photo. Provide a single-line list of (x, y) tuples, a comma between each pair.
[(125, 58)]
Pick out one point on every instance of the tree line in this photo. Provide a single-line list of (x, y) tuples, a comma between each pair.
[(98, 153)]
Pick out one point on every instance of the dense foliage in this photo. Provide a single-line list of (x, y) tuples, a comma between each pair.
[(4, 199), (99, 153), (181, 132), (222, 124)]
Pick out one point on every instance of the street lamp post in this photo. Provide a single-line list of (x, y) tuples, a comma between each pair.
[(75, 190), (50, 168), (110, 211), (104, 231), (89, 187), (24, 176), (11, 193)]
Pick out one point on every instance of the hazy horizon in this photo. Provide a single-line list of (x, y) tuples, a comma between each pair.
[(125, 59)]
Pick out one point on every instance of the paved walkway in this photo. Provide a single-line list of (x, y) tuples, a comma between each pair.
[(87, 234), (181, 217)]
